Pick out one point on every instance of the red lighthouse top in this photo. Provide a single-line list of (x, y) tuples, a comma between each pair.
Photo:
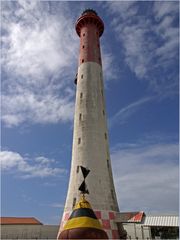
[(89, 28), (89, 16)]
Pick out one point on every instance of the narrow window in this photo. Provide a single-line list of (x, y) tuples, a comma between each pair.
[(83, 46), (83, 34), (77, 170), (81, 95), (105, 135), (103, 112), (79, 140), (112, 193), (99, 59), (74, 202), (107, 163), (102, 92), (82, 76), (82, 60), (80, 116), (75, 80)]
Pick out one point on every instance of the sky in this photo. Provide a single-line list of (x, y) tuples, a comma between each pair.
[(39, 54)]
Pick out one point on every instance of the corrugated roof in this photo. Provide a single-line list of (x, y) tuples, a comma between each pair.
[(169, 221), (19, 221)]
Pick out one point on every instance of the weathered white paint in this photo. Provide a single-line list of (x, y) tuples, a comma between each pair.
[(29, 231), (137, 231), (92, 150)]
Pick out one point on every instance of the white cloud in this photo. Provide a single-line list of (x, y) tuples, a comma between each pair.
[(126, 9), (123, 114), (39, 49), (38, 56), (149, 40), (43, 160), (56, 205), (39, 61), (108, 66), (41, 166), (164, 8), (18, 108), (146, 176), (137, 50), (10, 159)]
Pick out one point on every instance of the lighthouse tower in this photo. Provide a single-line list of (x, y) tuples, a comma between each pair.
[(90, 140)]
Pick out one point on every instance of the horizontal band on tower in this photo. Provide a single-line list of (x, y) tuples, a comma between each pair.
[(82, 222), (83, 233), (83, 212)]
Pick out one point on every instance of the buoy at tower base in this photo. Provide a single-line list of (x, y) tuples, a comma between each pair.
[(83, 223)]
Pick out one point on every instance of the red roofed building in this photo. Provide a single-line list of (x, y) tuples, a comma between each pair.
[(19, 221), (137, 224), (26, 228), (140, 226), (133, 217)]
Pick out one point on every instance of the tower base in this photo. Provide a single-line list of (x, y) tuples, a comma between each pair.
[(107, 219)]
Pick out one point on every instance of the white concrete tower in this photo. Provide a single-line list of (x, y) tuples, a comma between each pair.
[(90, 140)]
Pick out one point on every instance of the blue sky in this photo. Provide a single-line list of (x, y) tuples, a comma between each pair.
[(39, 62)]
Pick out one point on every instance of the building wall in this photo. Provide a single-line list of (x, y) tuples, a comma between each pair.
[(134, 231), (146, 232), (137, 231), (29, 231)]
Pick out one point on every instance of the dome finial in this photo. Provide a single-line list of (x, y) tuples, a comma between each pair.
[(89, 10)]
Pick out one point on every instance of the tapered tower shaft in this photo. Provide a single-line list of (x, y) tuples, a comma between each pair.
[(90, 140)]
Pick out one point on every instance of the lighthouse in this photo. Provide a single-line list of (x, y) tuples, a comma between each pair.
[(90, 139)]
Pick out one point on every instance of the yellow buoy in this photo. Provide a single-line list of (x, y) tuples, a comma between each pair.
[(83, 223)]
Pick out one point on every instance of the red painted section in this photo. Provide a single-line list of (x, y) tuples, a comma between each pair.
[(132, 216), (115, 234), (19, 221), (98, 214), (89, 45), (89, 27), (138, 217), (66, 217), (111, 215), (106, 224)]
